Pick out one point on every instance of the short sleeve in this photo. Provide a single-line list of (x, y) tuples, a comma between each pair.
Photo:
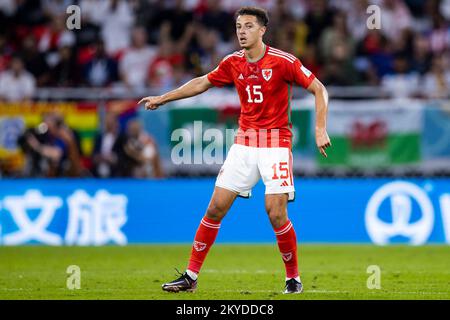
[(221, 76), (299, 74)]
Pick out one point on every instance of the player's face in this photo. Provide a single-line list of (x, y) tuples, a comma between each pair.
[(248, 31)]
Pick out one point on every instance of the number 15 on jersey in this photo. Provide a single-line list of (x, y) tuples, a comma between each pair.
[(254, 94)]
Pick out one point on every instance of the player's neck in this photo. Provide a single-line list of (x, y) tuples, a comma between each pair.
[(255, 53)]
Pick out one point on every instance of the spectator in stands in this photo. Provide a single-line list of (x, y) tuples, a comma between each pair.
[(91, 18), (35, 61), (144, 12), (215, 18), (91, 11), (395, 18), (339, 71), (104, 157), (43, 150), (6, 52), (178, 18), (55, 35), (205, 57), (52, 148), (405, 43), (318, 19), (54, 8), (404, 82), (421, 55), (100, 70), (301, 27), (408, 57), (71, 162), (445, 9), (8, 7), (290, 35), (134, 65), (356, 17), (436, 82), (138, 153), (440, 34), (28, 13), (162, 69), (148, 14), (7, 10), (379, 51), (66, 72), (337, 34), (116, 22), (17, 84), (167, 68)]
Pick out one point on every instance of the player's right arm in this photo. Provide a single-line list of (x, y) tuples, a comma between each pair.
[(192, 88), (219, 77)]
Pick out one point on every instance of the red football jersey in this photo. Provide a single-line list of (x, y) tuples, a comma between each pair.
[(265, 90)]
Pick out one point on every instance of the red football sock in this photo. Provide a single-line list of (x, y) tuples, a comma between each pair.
[(204, 239), (287, 243)]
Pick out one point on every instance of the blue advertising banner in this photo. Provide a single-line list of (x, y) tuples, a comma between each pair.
[(100, 212)]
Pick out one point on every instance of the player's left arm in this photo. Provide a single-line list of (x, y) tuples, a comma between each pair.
[(298, 74), (321, 100)]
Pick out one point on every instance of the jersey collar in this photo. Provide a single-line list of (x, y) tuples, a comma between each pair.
[(266, 47)]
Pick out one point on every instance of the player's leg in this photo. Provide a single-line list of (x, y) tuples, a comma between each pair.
[(236, 177), (275, 165), (206, 234), (276, 207), (207, 231)]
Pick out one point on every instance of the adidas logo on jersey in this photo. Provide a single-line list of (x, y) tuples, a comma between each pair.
[(241, 77), (284, 184)]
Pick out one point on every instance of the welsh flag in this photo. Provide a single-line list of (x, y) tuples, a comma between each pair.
[(374, 133)]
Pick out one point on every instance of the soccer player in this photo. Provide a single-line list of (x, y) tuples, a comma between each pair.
[(263, 77)]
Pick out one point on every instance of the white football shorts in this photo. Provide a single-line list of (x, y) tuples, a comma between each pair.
[(245, 165)]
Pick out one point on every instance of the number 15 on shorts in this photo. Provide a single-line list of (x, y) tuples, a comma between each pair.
[(280, 168)]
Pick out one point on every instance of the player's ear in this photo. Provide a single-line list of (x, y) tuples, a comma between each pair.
[(262, 30)]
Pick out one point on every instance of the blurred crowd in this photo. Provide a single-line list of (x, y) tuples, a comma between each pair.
[(161, 44), (52, 149)]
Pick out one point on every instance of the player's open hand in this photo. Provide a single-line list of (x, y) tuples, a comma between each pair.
[(322, 141), (152, 103)]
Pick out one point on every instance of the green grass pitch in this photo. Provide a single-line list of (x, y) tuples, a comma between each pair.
[(230, 272)]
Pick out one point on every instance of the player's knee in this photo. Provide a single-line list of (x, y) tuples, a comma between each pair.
[(277, 218), (276, 209), (275, 205), (215, 212)]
